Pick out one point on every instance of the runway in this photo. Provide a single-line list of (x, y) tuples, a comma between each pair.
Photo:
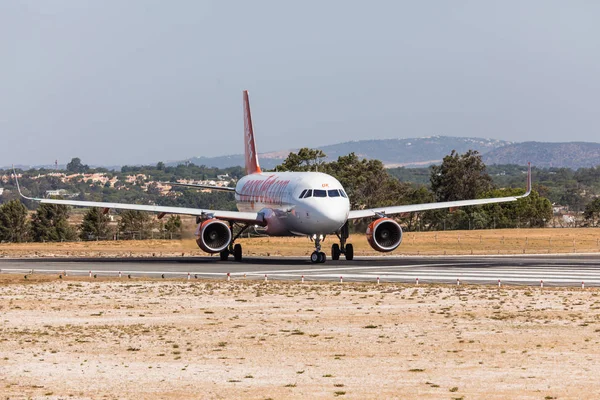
[(553, 270)]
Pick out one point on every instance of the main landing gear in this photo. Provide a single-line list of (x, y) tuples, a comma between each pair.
[(235, 249), (346, 249), (336, 249)]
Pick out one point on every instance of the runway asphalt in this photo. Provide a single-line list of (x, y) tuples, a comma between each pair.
[(553, 270)]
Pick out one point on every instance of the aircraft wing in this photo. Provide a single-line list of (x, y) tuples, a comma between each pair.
[(198, 186), (372, 212), (249, 217)]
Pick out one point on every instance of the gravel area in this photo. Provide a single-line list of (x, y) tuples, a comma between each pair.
[(144, 339)]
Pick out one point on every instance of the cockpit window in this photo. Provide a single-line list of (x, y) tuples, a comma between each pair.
[(306, 193)]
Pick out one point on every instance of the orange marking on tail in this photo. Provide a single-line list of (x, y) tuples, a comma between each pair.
[(252, 166)]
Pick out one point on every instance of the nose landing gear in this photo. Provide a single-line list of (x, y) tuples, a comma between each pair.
[(318, 256)]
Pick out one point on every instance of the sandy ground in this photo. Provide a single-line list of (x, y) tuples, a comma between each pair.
[(499, 241), (143, 339)]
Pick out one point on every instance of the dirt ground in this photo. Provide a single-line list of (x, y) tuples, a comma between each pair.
[(144, 339), (499, 241)]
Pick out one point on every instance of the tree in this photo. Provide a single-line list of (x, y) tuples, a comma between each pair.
[(94, 225), (460, 177), (532, 211), (153, 189), (571, 195), (173, 225), (304, 160), (50, 224), (75, 165), (13, 222), (592, 212), (367, 182), (135, 224)]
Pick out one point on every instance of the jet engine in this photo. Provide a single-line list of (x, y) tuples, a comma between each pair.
[(384, 234), (213, 235)]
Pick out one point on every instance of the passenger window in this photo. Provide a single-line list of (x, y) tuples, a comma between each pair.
[(308, 194), (333, 193), (303, 193), (320, 193), (343, 193)]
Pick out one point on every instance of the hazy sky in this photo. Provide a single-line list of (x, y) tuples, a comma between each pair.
[(124, 81)]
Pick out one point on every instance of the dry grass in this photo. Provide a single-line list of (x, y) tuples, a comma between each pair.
[(500, 241), (144, 339)]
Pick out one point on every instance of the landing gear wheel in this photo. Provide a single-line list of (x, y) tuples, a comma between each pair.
[(315, 257), (349, 252), (224, 255), (335, 252), (237, 252), (318, 256)]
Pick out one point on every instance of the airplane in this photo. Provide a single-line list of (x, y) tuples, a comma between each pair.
[(311, 204)]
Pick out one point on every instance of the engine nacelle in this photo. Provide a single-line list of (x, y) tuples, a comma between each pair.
[(213, 235), (384, 234)]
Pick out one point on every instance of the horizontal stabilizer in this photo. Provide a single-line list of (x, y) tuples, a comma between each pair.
[(200, 186)]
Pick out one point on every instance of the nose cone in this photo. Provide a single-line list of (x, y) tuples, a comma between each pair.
[(331, 217)]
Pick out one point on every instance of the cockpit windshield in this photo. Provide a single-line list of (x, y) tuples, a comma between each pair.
[(306, 193)]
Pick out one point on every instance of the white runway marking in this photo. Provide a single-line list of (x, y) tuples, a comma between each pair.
[(109, 272), (336, 268), (554, 271)]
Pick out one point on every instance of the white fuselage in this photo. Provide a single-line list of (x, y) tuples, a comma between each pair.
[(294, 203)]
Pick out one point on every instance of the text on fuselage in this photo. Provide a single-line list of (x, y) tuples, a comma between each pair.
[(269, 190)]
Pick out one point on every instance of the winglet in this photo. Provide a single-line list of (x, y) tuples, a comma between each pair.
[(19, 187), (528, 178), (528, 181), (252, 166)]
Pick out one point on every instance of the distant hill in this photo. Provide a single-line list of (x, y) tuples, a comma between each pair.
[(546, 155), (422, 152), (59, 167), (393, 152)]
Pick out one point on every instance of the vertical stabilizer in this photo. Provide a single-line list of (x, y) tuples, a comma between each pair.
[(252, 166)]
